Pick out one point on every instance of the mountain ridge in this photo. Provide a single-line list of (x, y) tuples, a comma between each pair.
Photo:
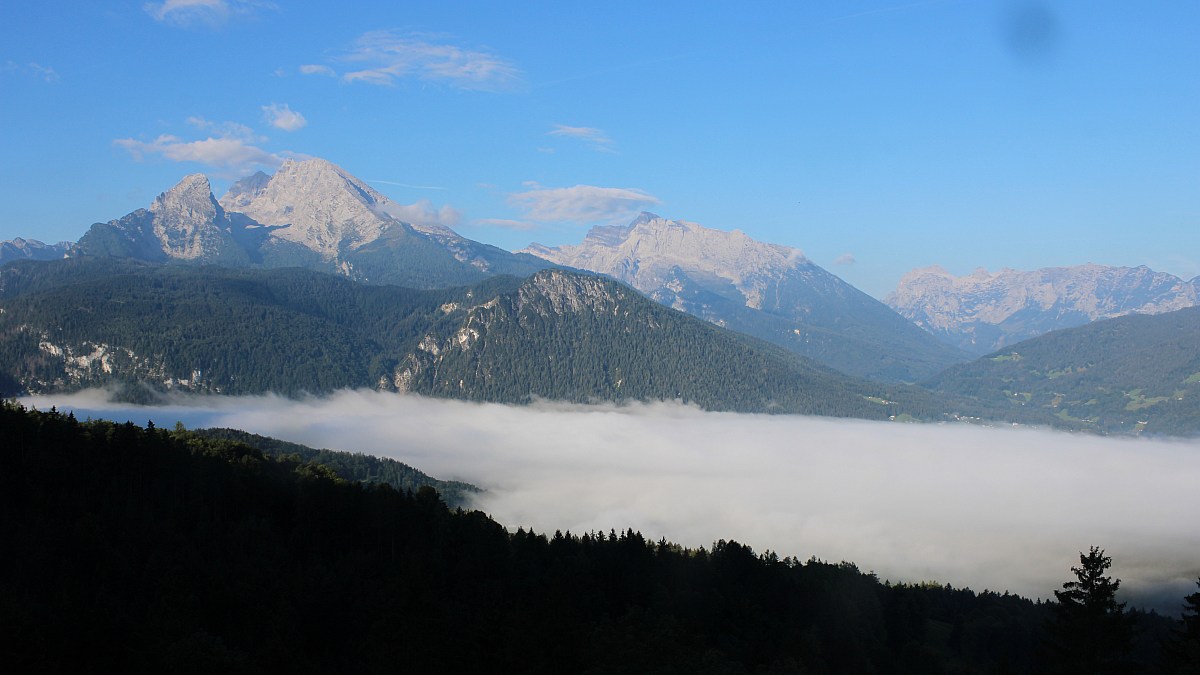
[(310, 213), (558, 335), (985, 311), (770, 291)]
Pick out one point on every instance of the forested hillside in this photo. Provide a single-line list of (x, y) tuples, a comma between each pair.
[(1129, 374), (349, 466), (147, 550), (559, 335)]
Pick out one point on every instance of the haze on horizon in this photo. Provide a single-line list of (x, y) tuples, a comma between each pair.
[(877, 136), (985, 508)]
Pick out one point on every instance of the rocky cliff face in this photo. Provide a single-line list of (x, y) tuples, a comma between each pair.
[(985, 311), (767, 290)]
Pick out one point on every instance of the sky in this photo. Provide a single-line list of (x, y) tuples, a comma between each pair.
[(877, 136), (984, 508)]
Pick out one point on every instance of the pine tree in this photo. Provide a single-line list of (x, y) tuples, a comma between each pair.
[(1090, 631)]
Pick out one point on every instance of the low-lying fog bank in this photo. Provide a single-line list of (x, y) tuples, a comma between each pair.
[(1001, 509)]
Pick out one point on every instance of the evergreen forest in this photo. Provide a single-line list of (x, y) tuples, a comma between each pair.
[(132, 549)]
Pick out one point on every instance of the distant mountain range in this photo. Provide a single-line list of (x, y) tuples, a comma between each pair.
[(32, 249), (766, 290), (984, 311)]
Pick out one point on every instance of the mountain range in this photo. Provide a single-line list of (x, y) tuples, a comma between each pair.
[(310, 214), (310, 281), (766, 290), (32, 249), (557, 334), (315, 215), (983, 311)]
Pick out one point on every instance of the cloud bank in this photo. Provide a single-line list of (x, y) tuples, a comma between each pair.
[(999, 509)]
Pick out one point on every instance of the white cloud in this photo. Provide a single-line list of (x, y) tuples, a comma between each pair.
[(423, 212), (581, 203), (389, 57), (845, 259), (1002, 509), (311, 69), (211, 13), (229, 148), (222, 153), (504, 223), (282, 117), (595, 137)]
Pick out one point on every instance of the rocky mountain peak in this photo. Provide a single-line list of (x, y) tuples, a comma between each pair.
[(565, 292), (244, 191), (190, 198), (314, 203), (187, 219)]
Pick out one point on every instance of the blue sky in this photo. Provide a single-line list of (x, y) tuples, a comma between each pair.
[(875, 136)]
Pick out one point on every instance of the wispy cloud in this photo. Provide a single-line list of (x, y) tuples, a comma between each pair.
[(314, 69), (845, 259), (581, 203), (594, 137), (45, 73), (1001, 509), (230, 147), (280, 116), (388, 57), (211, 13)]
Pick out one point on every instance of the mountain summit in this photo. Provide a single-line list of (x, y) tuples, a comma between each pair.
[(767, 290), (311, 214)]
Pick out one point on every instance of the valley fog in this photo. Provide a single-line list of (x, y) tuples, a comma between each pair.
[(985, 508)]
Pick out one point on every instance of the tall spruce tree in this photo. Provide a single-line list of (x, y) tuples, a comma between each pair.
[(1090, 631)]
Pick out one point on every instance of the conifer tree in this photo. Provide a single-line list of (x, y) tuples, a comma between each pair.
[(1090, 631)]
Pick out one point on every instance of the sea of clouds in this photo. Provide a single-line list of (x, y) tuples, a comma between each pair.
[(985, 508)]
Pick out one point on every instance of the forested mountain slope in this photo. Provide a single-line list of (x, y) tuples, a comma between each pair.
[(559, 335), (1129, 374)]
